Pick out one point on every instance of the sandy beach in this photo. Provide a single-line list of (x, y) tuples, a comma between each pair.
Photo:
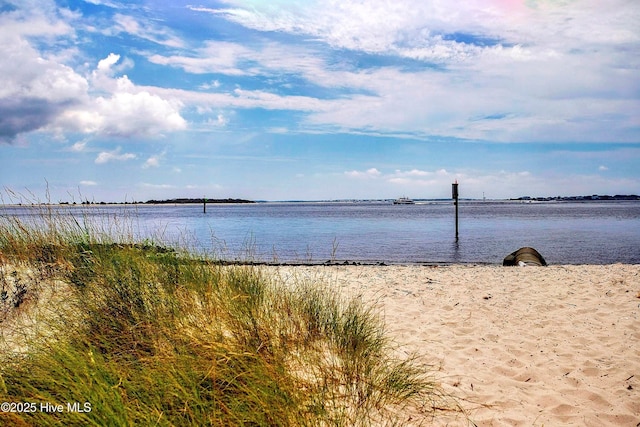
[(517, 346)]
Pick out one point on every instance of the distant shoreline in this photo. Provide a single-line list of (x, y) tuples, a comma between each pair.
[(195, 201), (180, 201), (200, 201)]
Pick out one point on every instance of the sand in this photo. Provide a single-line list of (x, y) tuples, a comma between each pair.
[(517, 346)]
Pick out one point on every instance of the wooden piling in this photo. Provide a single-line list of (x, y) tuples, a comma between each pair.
[(454, 195)]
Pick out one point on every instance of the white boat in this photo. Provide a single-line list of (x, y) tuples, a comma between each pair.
[(403, 201)]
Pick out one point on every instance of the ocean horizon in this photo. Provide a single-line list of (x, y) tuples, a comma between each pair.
[(597, 232)]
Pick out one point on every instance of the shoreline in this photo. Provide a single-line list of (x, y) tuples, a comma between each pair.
[(377, 263), (232, 200), (426, 264), (553, 345)]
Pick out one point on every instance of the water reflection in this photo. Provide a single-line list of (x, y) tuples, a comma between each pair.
[(567, 233)]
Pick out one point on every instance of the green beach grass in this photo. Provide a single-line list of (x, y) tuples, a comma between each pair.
[(116, 332)]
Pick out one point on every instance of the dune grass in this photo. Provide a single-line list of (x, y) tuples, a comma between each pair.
[(146, 335)]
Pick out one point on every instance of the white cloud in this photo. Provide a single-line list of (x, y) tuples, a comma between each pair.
[(506, 71), (147, 30), (215, 84), (34, 90), (127, 111), (79, 146), (88, 183), (437, 183), (241, 98), (39, 92), (124, 115), (491, 70), (420, 178), (407, 27), (104, 3), (214, 57), (109, 156), (603, 168), (154, 161), (103, 77), (417, 177), (504, 94), (35, 18), (369, 173), (270, 59), (127, 114), (403, 27), (104, 65), (220, 120), (158, 186)]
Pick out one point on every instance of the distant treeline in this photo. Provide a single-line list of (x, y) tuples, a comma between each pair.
[(582, 198), (158, 202), (202, 200)]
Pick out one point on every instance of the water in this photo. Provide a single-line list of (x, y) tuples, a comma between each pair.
[(563, 232)]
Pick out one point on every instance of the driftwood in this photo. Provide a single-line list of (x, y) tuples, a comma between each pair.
[(524, 257)]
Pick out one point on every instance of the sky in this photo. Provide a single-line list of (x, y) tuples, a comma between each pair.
[(109, 100)]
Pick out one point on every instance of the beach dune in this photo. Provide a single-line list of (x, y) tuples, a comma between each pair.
[(517, 346)]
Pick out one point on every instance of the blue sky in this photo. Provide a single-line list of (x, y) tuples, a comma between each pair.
[(330, 99)]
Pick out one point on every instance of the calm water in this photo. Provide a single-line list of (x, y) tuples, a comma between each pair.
[(564, 233)]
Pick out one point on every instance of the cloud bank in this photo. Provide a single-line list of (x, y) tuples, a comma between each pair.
[(491, 70), (41, 93)]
